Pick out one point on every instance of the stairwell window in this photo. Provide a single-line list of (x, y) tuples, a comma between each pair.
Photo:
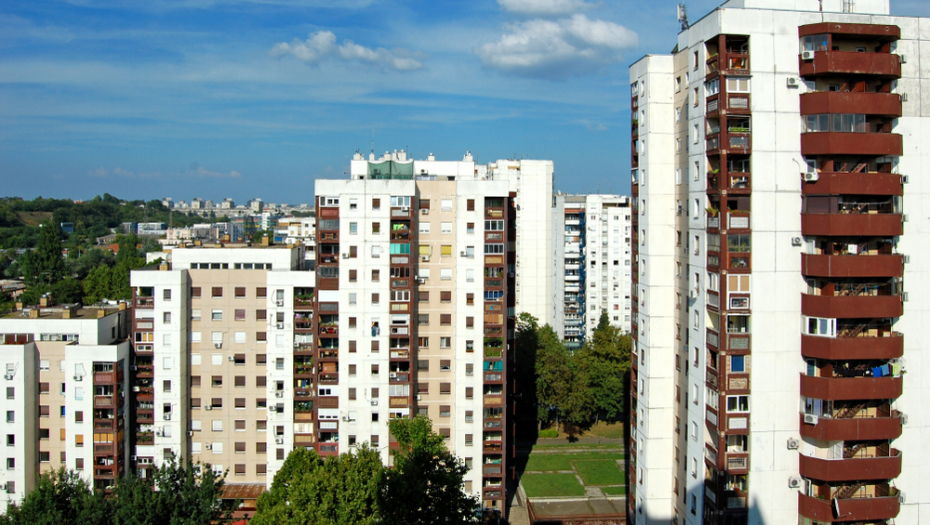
[(737, 404)]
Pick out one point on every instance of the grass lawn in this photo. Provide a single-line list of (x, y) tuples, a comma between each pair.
[(549, 485), (544, 462), (599, 472), (614, 491)]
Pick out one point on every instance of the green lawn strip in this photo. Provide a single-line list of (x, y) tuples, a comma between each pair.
[(549, 461), (614, 491), (551, 485), (598, 472)]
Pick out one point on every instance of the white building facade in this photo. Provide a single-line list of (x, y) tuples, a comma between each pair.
[(773, 392)]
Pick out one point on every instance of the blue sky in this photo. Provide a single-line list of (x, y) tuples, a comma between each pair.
[(256, 98)]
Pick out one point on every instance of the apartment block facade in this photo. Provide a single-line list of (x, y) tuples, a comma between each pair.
[(593, 261), (783, 229), (67, 400)]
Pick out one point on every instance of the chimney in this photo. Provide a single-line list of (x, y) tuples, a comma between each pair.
[(66, 313), (266, 241), (101, 313), (34, 313), (45, 300), (122, 305)]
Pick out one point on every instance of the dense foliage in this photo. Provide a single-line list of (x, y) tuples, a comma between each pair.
[(175, 494), (578, 387), (424, 486)]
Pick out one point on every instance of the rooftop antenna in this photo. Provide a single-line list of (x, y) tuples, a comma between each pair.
[(683, 16)]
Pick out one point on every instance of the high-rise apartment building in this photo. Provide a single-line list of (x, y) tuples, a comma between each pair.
[(415, 272), (592, 258), (776, 156), (66, 399)]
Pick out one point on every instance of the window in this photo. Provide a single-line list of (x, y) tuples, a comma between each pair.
[(260, 315), (217, 315), (217, 291), (423, 296), (445, 274), (375, 298), (470, 228), (445, 388), (424, 227), (445, 319), (446, 204), (737, 364), (470, 275), (261, 292), (353, 298), (469, 346), (469, 369), (446, 249), (737, 404), (445, 296), (445, 342), (470, 205), (423, 342), (217, 425), (445, 411), (737, 85), (353, 228), (376, 204), (353, 276), (446, 227), (166, 294)]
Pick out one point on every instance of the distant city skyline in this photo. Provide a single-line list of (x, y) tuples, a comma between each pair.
[(258, 98)]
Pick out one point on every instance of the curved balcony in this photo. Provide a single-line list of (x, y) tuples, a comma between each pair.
[(852, 469), (829, 143), (852, 509), (882, 65), (850, 388), (852, 265), (890, 345), (853, 429), (851, 306), (846, 183), (888, 104), (849, 225)]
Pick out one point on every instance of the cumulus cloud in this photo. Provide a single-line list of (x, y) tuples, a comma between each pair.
[(322, 45), (122, 173), (544, 7), (558, 49)]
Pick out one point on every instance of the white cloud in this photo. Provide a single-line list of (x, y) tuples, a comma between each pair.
[(544, 7), (200, 171), (322, 45), (558, 49)]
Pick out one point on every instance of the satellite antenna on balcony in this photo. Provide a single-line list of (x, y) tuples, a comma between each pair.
[(683, 16)]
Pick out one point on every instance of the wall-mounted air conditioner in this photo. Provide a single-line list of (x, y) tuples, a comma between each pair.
[(217, 345), (793, 443), (811, 176), (807, 55), (811, 419), (794, 482)]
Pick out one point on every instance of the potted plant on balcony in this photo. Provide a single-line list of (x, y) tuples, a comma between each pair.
[(712, 212)]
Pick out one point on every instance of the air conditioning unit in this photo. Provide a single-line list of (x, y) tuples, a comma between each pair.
[(794, 82), (793, 443), (345, 256), (405, 209), (160, 433), (811, 176), (796, 241), (462, 253), (374, 402), (811, 419), (217, 345), (902, 498), (419, 398), (903, 297), (134, 458), (421, 280), (296, 344), (271, 408), (393, 375), (424, 258), (904, 179), (231, 358), (345, 418), (77, 378), (279, 394), (208, 407), (425, 211), (279, 326), (279, 302), (903, 418), (903, 59), (807, 55), (8, 377), (167, 416), (904, 218), (136, 389), (190, 433), (794, 482), (208, 446)]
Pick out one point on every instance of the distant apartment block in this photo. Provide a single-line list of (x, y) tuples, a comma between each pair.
[(592, 264)]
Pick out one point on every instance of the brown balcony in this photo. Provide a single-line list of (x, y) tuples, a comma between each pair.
[(105, 425), (854, 428), (104, 402), (850, 388), (737, 463), (852, 265), (848, 225), (859, 144), (494, 400), (145, 302), (850, 306), (888, 104), (328, 402), (888, 345), (492, 446), (326, 331), (885, 65), (399, 401), (852, 509), (852, 469), (848, 183)]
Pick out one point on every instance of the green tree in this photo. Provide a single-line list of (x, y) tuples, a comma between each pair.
[(60, 497), (177, 494), (426, 484), (553, 374), (340, 490), (603, 364), (45, 265)]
